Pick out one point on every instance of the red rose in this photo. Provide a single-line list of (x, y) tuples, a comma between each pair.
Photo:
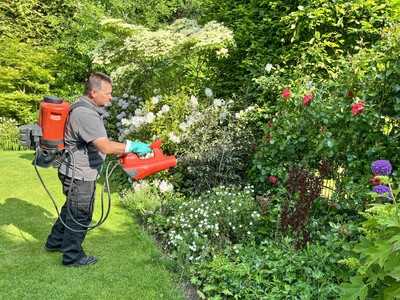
[(307, 99), (273, 180), (357, 108), (286, 93), (375, 180)]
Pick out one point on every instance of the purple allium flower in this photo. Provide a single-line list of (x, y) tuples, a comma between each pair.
[(381, 167), (382, 189)]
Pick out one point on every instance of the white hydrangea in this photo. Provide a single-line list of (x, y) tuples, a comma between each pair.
[(139, 112), (183, 126), (139, 185), (268, 67), (165, 108), (155, 99), (223, 52), (165, 186), (208, 92), (218, 102), (149, 117), (194, 102), (138, 121), (174, 138)]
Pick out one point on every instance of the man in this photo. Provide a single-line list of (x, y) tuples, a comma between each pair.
[(86, 137)]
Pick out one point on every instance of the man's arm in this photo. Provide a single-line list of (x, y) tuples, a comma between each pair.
[(105, 146)]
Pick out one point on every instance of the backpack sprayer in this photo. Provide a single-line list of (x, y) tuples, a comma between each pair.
[(47, 138)]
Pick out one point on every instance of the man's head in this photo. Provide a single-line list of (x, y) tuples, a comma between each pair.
[(99, 88)]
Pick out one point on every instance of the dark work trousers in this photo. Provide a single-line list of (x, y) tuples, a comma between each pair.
[(80, 201)]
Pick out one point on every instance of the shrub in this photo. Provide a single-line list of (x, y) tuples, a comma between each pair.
[(271, 270), (174, 56), (312, 34), (215, 149), (9, 135), (333, 126)]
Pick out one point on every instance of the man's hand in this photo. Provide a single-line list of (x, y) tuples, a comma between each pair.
[(137, 147)]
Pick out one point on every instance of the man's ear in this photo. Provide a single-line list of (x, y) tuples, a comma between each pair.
[(91, 94)]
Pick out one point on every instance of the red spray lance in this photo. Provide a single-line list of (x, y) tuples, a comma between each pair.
[(138, 168)]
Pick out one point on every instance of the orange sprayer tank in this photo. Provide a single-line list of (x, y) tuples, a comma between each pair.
[(138, 168), (53, 114)]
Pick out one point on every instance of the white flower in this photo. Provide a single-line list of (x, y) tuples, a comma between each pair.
[(165, 186), (138, 112), (155, 99), (223, 52), (300, 7), (150, 117), (137, 186), (193, 102), (165, 108), (208, 92), (183, 126), (138, 121), (218, 102), (174, 138), (268, 67)]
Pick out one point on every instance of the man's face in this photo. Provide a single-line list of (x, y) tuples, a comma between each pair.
[(102, 96)]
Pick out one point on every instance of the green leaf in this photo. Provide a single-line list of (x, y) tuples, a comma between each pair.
[(392, 292), (354, 290)]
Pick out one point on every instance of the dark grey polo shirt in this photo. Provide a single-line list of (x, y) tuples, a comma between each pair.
[(83, 127)]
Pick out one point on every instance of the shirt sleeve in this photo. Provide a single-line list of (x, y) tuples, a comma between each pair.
[(90, 125)]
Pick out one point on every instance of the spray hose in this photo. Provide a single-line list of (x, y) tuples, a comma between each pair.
[(103, 217)]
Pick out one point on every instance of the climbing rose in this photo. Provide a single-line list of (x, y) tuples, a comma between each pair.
[(381, 167), (273, 180), (286, 93), (383, 189), (357, 108), (307, 99)]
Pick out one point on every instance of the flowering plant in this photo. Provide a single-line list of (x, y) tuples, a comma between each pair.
[(195, 228)]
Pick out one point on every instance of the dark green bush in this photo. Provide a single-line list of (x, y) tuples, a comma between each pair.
[(312, 34)]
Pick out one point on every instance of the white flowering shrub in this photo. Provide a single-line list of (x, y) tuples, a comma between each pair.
[(9, 134), (146, 196), (131, 117), (196, 228), (215, 147), (172, 57)]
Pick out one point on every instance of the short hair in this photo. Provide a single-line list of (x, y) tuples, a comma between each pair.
[(95, 80)]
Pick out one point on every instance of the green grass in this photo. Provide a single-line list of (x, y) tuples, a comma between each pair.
[(129, 267)]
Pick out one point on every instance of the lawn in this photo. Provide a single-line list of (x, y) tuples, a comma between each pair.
[(129, 266)]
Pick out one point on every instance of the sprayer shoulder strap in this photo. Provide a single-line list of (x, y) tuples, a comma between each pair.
[(79, 103)]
